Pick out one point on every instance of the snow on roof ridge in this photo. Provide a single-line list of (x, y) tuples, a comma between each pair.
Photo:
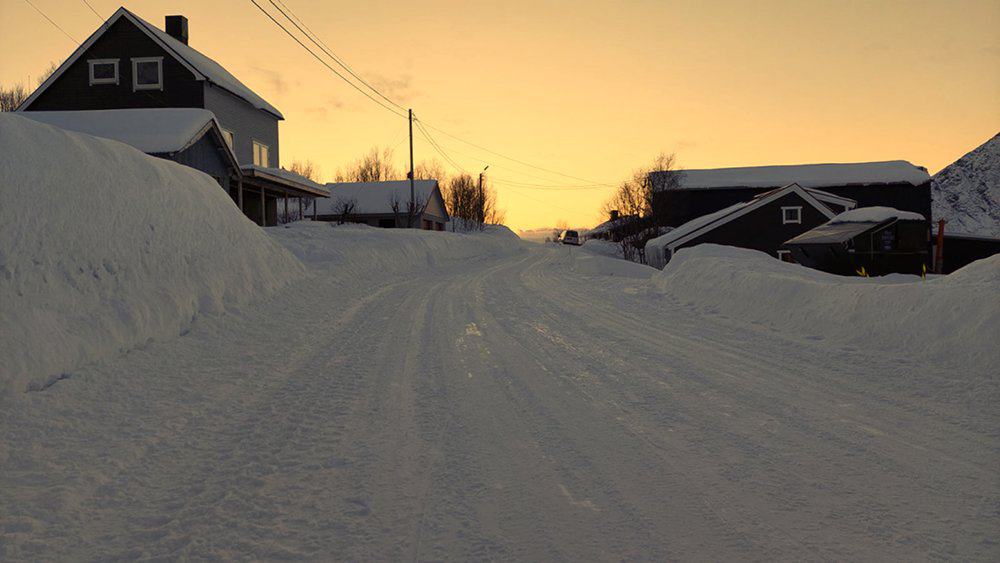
[(875, 214), (209, 68), (806, 175)]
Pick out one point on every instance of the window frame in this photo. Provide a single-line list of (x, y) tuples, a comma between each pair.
[(783, 253), (267, 149), (135, 73), (798, 215), (90, 71), (230, 138)]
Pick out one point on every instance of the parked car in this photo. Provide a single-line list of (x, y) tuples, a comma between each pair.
[(569, 237)]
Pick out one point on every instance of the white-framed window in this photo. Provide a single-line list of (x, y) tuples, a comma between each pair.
[(103, 71), (230, 138), (147, 73), (785, 255), (261, 154), (791, 215)]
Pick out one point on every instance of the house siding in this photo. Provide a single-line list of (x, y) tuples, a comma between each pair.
[(245, 121), (678, 206), (123, 41), (205, 155), (762, 229)]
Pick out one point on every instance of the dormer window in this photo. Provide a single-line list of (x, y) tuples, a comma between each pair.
[(103, 71), (791, 215), (147, 73)]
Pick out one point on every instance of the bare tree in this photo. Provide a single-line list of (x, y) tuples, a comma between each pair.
[(14, 95), (430, 170), (376, 166), (635, 203), (470, 206), (307, 169), (344, 208), (405, 211)]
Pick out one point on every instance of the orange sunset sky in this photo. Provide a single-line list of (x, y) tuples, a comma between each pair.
[(592, 89)]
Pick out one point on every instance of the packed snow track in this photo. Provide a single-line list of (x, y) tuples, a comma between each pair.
[(498, 407)]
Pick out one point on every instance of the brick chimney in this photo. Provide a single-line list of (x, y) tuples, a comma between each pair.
[(177, 27)]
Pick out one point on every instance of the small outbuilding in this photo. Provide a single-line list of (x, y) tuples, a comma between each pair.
[(385, 204), (763, 223), (866, 241)]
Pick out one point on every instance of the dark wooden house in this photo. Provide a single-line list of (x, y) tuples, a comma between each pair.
[(689, 194), (960, 249), (872, 241), (128, 63), (385, 204), (762, 223)]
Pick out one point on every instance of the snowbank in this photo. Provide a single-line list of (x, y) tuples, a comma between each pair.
[(358, 249), (954, 319), (103, 248), (603, 258)]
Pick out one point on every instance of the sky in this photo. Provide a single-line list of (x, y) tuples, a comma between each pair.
[(590, 90)]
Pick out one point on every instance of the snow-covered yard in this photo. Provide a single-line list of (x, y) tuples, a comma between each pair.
[(418, 395)]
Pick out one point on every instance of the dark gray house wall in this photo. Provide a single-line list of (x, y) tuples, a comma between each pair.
[(205, 155), (678, 206), (123, 41), (762, 229), (245, 121)]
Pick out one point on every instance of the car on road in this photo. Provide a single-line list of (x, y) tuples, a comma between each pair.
[(569, 237)]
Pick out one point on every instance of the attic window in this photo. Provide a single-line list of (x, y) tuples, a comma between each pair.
[(791, 215), (147, 73), (103, 71)]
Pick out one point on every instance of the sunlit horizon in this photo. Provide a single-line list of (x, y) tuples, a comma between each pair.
[(591, 90)]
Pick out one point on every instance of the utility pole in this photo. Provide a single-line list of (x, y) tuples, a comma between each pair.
[(482, 198), (412, 210)]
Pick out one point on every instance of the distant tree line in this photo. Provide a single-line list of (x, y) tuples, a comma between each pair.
[(638, 219), (11, 96)]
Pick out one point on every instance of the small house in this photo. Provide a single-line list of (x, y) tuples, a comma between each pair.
[(385, 204), (128, 63), (762, 223), (688, 194), (868, 241)]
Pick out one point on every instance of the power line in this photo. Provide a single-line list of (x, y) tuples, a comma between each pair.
[(320, 59), (285, 10), (71, 38), (93, 10)]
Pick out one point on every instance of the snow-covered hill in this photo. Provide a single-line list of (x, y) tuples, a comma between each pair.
[(967, 192), (103, 248)]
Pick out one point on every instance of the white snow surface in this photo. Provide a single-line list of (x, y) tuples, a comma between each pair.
[(151, 130), (375, 197), (103, 248), (967, 192), (875, 214), (212, 70), (436, 396), (941, 320), (805, 175)]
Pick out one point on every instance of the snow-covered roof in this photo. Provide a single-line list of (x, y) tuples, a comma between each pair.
[(805, 175), (375, 197), (286, 177), (201, 66), (151, 130), (875, 214), (610, 224)]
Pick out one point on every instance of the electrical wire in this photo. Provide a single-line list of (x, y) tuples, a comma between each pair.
[(64, 32)]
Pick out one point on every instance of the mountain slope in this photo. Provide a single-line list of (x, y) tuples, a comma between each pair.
[(967, 192)]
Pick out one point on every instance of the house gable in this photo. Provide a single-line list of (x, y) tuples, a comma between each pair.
[(69, 86), (435, 205)]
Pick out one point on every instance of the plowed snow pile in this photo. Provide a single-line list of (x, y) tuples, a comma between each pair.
[(952, 319), (103, 248)]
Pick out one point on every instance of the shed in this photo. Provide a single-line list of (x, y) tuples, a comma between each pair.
[(385, 204), (873, 240)]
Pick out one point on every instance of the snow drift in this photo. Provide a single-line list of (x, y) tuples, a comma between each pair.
[(103, 248), (953, 319)]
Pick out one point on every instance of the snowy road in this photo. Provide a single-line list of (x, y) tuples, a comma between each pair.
[(497, 409)]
